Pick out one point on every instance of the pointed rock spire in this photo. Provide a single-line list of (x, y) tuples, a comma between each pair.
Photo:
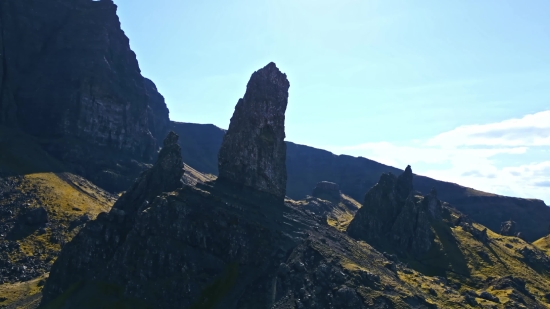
[(253, 152), (404, 184)]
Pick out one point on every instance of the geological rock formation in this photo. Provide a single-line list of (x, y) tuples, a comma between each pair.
[(393, 212), (327, 190), (86, 255), (253, 152)]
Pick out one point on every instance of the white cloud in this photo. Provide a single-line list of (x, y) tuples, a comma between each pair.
[(466, 154), (531, 130)]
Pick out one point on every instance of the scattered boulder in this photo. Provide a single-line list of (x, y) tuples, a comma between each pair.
[(253, 151)]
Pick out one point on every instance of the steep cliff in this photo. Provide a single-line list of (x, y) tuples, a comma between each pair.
[(69, 77)]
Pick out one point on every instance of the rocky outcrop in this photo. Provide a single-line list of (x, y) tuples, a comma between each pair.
[(86, 255), (253, 152), (508, 228), (392, 212), (327, 190)]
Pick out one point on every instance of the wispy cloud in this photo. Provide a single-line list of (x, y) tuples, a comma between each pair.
[(466, 155)]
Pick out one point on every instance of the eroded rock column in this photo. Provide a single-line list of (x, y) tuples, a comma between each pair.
[(253, 152)]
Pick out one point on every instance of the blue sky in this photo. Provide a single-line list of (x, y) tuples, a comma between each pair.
[(434, 84)]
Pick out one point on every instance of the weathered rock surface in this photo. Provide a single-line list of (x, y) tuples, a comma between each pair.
[(393, 213), (253, 152), (86, 255)]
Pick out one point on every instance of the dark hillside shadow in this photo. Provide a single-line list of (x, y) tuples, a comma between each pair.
[(22, 154)]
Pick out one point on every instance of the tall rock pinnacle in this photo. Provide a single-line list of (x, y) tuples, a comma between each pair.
[(253, 152)]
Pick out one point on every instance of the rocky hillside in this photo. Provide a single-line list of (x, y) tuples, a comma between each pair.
[(229, 243)]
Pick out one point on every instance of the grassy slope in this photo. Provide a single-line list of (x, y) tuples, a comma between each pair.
[(40, 180), (543, 244), (474, 264)]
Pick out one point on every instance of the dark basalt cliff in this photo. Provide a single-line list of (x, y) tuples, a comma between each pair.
[(69, 77), (253, 151)]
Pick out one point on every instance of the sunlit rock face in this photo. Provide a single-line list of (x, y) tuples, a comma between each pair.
[(253, 152)]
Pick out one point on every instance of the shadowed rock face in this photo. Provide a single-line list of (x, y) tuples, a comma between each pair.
[(392, 212), (86, 255), (253, 152), (68, 76)]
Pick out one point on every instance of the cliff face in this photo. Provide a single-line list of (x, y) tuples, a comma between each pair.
[(68, 76)]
